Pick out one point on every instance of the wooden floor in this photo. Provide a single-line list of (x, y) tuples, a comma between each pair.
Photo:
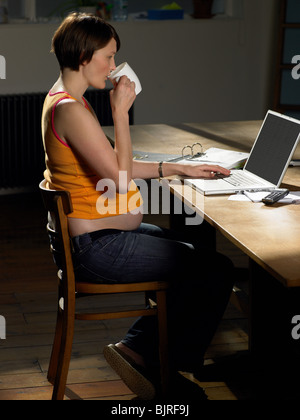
[(28, 303)]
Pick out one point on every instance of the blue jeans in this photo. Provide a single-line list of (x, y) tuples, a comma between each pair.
[(201, 284)]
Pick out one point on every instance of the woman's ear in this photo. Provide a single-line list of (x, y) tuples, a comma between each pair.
[(85, 62)]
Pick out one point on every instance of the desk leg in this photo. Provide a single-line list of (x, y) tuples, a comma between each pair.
[(272, 307)]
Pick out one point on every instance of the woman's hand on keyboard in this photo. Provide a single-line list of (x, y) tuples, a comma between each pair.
[(204, 171)]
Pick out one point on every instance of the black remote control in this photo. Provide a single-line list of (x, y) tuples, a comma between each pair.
[(275, 196)]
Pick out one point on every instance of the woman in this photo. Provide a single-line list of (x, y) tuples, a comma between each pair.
[(114, 246)]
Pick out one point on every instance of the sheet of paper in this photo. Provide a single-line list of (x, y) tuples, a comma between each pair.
[(256, 197), (292, 198), (239, 197)]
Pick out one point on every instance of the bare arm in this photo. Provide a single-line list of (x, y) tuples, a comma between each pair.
[(147, 170)]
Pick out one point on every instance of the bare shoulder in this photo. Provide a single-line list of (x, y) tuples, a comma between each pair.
[(70, 111), (69, 106), (73, 121)]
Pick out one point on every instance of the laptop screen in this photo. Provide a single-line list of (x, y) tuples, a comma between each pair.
[(274, 147)]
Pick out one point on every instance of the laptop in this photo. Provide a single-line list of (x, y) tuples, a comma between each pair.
[(268, 161)]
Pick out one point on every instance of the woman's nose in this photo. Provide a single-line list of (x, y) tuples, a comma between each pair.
[(113, 66)]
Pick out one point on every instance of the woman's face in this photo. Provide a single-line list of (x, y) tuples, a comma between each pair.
[(101, 65)]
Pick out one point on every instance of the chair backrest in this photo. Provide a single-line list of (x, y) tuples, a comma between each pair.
[(58, 204)]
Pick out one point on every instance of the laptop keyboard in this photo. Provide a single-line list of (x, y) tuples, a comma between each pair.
[(240, 179)]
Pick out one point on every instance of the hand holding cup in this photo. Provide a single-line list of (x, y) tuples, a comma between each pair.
[(125, 70)]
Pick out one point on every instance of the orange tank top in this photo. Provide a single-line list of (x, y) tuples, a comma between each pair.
[(65, 170)]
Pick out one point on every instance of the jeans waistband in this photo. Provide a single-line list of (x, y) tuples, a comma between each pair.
[(81, 241)]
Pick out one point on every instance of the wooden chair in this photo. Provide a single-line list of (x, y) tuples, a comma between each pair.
[(58, 204)]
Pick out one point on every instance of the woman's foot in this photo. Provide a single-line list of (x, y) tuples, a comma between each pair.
[(133, 374)]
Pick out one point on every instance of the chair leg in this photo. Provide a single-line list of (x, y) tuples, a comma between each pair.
[(55, 348), (64, 355), (163, 340)]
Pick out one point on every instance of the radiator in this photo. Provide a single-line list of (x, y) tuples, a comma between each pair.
[(22, 160)]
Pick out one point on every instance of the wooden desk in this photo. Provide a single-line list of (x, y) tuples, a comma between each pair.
[(270, 236)]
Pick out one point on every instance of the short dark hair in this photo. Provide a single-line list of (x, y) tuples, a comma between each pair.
[(78, 37)]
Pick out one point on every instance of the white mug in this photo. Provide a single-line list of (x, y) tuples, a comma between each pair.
[(124, 69)]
